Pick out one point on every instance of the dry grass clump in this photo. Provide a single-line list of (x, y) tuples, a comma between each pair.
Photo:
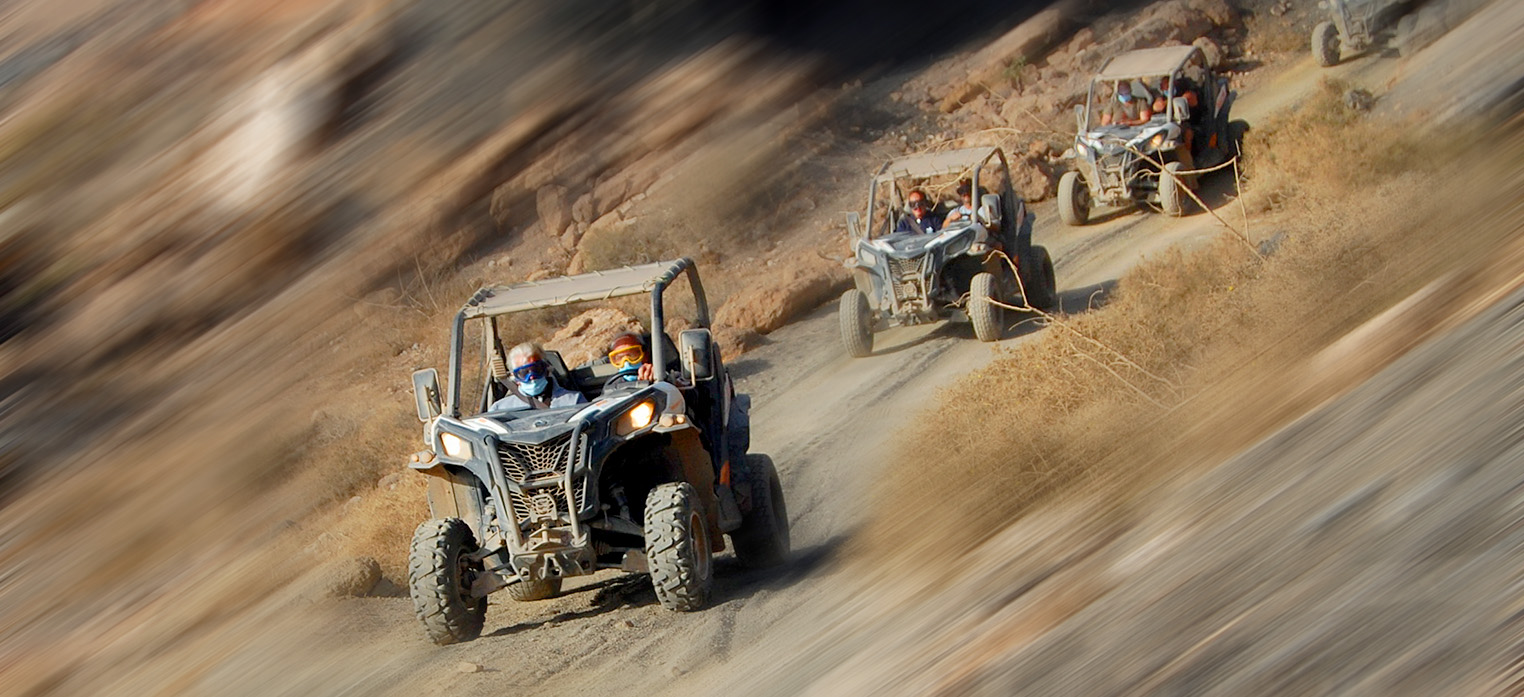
[(1329, 148), (1105, 397)]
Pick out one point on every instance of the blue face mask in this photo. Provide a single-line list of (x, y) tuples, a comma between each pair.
[(535, 387), (1124, 98)]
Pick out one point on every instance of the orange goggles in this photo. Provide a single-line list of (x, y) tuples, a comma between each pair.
[(625, 356)]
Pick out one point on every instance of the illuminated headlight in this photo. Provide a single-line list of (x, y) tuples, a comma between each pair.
[(635, 419), (454, 446), (1156, 141)]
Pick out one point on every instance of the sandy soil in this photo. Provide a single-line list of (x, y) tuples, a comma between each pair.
[(808, 627)]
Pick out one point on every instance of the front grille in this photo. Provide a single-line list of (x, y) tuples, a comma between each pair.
[(524, 463), (542, 467), (905, 278)]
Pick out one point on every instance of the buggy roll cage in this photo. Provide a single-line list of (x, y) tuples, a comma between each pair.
[(1139, 64), (921, 166), (493, 301)]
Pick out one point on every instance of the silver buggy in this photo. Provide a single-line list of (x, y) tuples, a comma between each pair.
[(903, 276), (646, 476), (1123, 165)]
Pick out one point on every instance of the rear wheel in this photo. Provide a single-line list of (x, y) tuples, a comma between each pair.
[(1170, 198), (1236, 130), (1325, 44), (856, 324), (1037, 278), (528, 591), (677, 547), (1073, 199), (440, 573), (985, 314), (763, 538)]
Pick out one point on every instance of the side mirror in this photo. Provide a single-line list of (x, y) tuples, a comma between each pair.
[(1182, 108), (1079, 118), (426, 393), (695, 350), (989, 210), (854, 225)]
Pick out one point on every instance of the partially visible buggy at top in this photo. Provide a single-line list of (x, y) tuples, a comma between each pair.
[(647, 476), (1354, 26), (1120, 165), (907, 278)]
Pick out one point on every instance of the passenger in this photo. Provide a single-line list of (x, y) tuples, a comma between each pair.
[(921, 218), (533, 387), (1126, 111), (627, 353), (966, 208)]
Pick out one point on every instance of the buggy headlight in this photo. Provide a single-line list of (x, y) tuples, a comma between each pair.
[(455, 446), (638, 417), (1156, 141), (869, 260)]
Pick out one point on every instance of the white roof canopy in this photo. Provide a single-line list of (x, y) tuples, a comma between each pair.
[(1145, 62), (551, 292)]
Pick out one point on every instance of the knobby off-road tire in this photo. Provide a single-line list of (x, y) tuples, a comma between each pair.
[(1406, 45), (1073, 199), (1237, 129), (677, 547), (529, 591), (1038, 280), (856, 324), (1325, 44), (1171, 200), (763, 538), (439, 579), (985, 315)]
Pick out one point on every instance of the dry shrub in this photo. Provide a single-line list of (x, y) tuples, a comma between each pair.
[(1108, 396), (1325, 148)]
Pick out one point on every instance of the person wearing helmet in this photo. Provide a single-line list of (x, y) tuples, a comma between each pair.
[(627, 353), (532, 386)]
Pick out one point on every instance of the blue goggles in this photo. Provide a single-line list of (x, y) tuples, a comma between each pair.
[(531, 371)]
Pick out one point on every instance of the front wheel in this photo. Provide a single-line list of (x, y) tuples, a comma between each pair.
[(1406, 46), (1170, 198), (984, 313), (440, 573), (856, 324), (1073, 199), (677, 547), (1325, 44), (763, 539)]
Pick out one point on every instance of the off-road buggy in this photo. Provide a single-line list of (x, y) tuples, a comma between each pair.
[(1117, 165), (1356, 25), (644, 477), (907, 278)]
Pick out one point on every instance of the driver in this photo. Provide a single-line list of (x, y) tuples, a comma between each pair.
[(532, 386), (1126, 111), (921, 218), (1171, 89), (627, 353)]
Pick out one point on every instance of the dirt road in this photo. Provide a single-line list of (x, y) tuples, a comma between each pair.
[(828, 421)]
